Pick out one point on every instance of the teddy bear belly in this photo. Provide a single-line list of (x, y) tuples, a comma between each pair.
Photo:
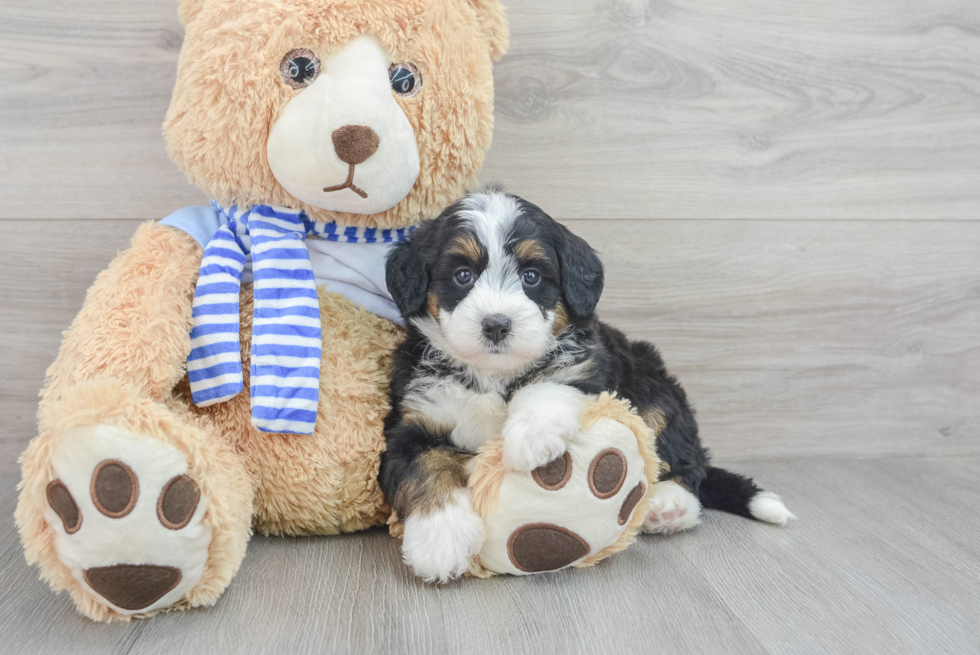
[(324, 483)]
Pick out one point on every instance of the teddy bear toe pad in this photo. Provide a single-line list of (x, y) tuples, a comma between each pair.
[(132, 586), (569, 509), (127, 518), (537, 547)]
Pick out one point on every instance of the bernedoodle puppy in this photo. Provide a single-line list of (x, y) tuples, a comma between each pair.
[(499, 303)]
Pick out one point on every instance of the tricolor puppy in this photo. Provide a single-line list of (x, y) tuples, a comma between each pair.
[(499, 302)]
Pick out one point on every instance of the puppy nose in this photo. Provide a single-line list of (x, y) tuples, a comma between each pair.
[(496, 327), (355, 143)]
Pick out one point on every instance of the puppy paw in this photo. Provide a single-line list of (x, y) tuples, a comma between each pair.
[(530, 442), (438, 546), (570, 511), (672, 508), (542, 417)]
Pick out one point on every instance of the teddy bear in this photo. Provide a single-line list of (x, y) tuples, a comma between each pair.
[(229, 371)]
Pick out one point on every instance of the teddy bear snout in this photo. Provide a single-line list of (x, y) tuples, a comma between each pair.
[(355, 143)]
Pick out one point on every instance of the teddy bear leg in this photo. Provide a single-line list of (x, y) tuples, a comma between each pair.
[(130, 505), (576, 510), (127, 501)]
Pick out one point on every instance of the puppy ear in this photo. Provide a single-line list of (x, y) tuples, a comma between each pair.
[(407, 266), (581, 273), (406, 277)]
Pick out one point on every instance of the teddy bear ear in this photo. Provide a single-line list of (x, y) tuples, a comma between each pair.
[(188, 9), (490, 13)]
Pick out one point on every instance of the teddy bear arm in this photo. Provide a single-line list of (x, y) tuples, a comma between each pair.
[(174, 532), (135, 323)]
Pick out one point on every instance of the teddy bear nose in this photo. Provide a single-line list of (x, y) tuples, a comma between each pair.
[(355, 143)]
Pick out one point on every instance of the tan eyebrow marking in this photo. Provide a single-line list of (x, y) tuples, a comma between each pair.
[(432, 304), (529, 249), (468, 247)]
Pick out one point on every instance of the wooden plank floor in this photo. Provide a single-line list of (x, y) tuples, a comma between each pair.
[(856, 574), (785, 195)]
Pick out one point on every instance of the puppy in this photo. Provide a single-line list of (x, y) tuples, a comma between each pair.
[(499, 303)]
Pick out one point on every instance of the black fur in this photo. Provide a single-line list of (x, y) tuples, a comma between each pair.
[(572, 275), (407, 280), (582, 277)]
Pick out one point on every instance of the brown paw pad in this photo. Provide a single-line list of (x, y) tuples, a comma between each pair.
[(607, 472), (115, 489), (132, 586), (555, 474), (64, 505), (538, 547), (177, 502), (629, 503)]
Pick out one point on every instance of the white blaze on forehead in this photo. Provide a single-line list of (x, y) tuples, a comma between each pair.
[(491, 216)]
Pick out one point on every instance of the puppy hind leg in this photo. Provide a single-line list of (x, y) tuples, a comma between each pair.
[(427, 489), (439, 544), (672, 508)]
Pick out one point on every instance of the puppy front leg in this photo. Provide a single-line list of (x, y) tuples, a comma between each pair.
[(541, 418), (426, 483)]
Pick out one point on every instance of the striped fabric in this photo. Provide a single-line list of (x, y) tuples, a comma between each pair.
[(286, 333), (321, 230)]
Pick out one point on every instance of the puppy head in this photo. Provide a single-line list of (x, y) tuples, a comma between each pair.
[(493, 281)]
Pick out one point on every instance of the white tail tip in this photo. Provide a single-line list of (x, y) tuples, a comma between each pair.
[(766, 506)]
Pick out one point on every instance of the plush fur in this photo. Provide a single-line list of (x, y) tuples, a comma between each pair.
[(123, 361), (503, 338), (488, 474), (229, 93)]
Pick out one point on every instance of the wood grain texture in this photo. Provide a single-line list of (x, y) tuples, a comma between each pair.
[(879, 535), (751, 109), (851, 575), (84, 87), (44, 279), (792, 338), (605, 108)]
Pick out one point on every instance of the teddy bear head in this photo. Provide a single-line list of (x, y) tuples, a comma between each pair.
[(365, 112)]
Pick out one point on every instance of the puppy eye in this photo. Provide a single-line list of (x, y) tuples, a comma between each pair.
[(405, 79), (531, 277), (463, 276), (299, 68)]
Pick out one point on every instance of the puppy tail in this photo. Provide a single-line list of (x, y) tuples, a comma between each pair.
[(738, 494)]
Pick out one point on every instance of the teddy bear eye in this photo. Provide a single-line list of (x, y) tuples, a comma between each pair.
[(405, 79), (299, 68)]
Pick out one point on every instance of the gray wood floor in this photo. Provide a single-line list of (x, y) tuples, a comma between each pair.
[(884, 559), (785, 194)]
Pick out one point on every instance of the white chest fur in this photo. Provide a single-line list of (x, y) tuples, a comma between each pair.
[(474, 417)]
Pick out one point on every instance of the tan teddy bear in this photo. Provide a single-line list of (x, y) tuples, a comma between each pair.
[(322, 129)]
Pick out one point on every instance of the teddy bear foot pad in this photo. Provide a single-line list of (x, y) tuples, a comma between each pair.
[(589, 496), (127, 518)]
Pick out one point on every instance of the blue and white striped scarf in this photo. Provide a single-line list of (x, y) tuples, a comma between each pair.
[(286, 335)]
